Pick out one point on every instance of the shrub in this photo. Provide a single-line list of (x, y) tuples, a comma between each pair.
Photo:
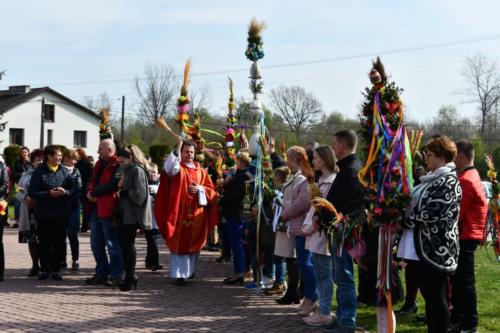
[(157, 153), (11, 154)]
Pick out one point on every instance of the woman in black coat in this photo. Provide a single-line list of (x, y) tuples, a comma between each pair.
[(232, 205), (52, 187), (85, 166)]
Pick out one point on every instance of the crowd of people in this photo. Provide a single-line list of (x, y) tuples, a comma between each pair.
[(60, 193), (442, 227)]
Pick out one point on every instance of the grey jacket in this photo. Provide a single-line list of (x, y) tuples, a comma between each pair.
[(135, 201)]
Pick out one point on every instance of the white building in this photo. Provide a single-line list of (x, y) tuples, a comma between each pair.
[(65, 121)]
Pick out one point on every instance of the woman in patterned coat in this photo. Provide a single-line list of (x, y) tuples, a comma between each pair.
[(433, 218)]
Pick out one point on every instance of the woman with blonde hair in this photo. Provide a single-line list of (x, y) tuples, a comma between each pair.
[(296, 204)]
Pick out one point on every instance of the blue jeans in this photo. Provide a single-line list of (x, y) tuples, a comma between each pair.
[(102, 235), (73, 228), (304, 259), (17, 209), (323, 267), (234, 228), (280, 266), (346, 291)]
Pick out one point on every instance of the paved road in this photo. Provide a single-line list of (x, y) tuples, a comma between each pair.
[(205, 305)]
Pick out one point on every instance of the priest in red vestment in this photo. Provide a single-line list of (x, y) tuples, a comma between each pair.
[(186, 209)]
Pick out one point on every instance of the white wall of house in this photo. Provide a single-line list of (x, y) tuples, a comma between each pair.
[(67, 119)]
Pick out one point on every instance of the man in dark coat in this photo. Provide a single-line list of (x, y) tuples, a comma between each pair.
[(347, 195)]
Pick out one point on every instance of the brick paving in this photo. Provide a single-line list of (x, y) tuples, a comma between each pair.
[(204, 305)]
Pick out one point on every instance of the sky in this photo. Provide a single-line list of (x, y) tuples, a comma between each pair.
[(86, 48)]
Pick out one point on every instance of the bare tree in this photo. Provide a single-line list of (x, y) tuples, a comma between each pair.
[(482, 85), (299, 108), (200, 98), (97, 103), (449, 123), (156, 91)]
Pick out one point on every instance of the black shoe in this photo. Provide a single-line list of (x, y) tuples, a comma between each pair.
[(191, 277), (43, 276), (455, 328), (421, 319), (180, 282), (288, 299), (34, 272), (113, 282), (57, 276), (408, 308), (223, 259), (232, 282), (95, 280), (211, 247), (64, 264), (128, 284), (154, 268)]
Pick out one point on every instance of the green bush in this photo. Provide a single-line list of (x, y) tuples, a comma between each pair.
[(11, 154), (158, 152)]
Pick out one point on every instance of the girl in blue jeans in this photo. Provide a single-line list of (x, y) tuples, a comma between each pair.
[(317, 241)]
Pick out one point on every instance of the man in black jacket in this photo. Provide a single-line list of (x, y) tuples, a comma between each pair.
[(346, 194), (53, 188)]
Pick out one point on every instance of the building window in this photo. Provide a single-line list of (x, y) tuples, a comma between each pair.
[(48, 114), (16, 136), (80, 139), (49, 137)]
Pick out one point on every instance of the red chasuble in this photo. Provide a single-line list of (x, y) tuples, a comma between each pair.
[(181, 220)]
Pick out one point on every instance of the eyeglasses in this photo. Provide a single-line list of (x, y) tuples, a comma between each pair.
[(428, 153)]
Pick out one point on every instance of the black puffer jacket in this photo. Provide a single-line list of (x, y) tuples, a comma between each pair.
[(77, 180), (346, 193), (234, 192), (42, 181)]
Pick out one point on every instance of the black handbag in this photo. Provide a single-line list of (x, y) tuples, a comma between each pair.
[(116, 216), (282, 225)]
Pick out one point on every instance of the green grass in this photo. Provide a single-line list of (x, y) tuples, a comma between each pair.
[(488, 300)]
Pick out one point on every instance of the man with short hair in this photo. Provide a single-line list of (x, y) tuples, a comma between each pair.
[(102, 195), (186, 209), (347, 195), (471, 225)]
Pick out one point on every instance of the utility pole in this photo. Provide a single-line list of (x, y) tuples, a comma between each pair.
[(123, 118), (42, 124)]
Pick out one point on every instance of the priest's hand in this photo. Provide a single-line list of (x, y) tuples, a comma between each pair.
[(180, 140), (193, 189)]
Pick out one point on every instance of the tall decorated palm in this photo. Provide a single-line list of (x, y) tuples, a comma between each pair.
[(387, 174), (257, 144)]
